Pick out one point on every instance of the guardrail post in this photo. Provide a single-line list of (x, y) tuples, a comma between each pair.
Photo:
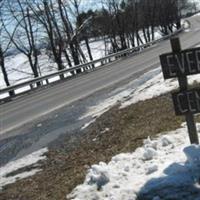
[(61, 76), (39, 83), (72, 72), (86, 68), (12, 93), (31, 86), (78, 71)]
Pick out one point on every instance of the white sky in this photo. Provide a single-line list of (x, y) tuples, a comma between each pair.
[(89, 4)]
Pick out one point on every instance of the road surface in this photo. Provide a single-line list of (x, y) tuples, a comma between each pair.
[(41, 102)]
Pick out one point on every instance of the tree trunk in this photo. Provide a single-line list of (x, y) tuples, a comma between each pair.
[(88, 48), (34, 68), (153, 33), (145, 36), (67, 58), (5, 74)]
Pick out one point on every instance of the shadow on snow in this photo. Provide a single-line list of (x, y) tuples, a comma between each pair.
[(180, 181)]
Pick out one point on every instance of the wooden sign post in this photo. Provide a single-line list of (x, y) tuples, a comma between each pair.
[(180, 64)]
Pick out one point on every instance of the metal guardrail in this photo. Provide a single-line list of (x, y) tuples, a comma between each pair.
[(85, 66)]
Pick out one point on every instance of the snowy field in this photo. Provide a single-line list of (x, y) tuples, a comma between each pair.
[(19, 70), (167, 165)]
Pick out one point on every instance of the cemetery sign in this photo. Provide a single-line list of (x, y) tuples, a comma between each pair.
[(179, 64)]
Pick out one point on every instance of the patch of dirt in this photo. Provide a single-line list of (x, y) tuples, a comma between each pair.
[(116, 131)]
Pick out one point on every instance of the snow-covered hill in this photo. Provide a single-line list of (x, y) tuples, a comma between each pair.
[(19, 70)]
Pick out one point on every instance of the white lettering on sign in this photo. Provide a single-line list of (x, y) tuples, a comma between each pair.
[(182, 110), (170, 65), (188, 102), (191, 102), (190, 62), (197, 100), (197, 54), (181, 63)]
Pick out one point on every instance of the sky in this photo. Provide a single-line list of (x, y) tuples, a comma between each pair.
[(94, 4), (88, 4)]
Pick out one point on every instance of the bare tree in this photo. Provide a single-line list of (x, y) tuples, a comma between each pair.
[(73, 8), (45, 13), (24, 38), (3, 49), (80, 21), (68, 29), (132, 14)]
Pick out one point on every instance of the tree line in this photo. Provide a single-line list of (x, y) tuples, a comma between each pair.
[(61, 26)]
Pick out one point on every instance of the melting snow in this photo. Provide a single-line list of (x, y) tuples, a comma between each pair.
[(98, 110), (151, 87), (165, 162), (21, 163), (156, 87)]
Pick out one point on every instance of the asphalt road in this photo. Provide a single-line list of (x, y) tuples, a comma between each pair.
[(39, 103)]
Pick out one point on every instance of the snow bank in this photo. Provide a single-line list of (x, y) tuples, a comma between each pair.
[(21, 163), (156, 87), (152, 88), (196, 15), (159, 164), (116, 97)]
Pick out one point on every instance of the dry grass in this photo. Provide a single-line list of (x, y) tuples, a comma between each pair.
[(66, 167)]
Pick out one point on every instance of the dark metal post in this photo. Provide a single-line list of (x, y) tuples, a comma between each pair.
[(176, 47)]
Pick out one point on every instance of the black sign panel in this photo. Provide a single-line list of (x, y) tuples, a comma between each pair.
[(179, 64), (187, 102)]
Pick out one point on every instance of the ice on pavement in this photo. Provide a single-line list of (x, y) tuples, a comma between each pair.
[(166, 162), (13, 166)]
